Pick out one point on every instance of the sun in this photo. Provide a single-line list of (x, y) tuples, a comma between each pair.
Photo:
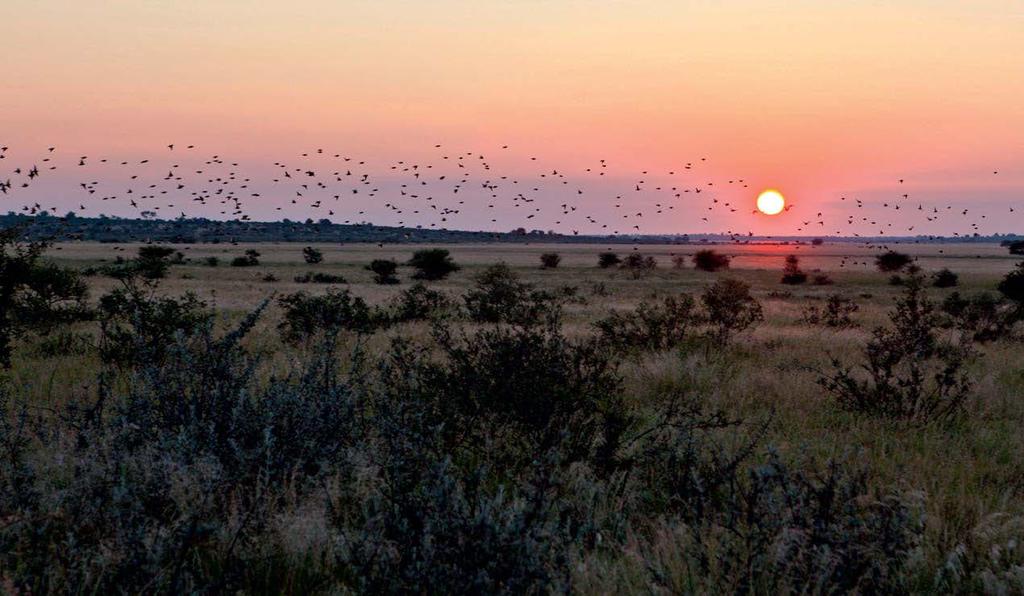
[(771, 202)]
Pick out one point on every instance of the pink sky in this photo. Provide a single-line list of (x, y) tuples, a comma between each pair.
[(819, 99)]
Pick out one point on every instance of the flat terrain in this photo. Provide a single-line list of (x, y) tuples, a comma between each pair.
[(969, 476)]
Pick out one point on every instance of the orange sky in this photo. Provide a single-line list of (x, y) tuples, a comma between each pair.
[(820, 99)]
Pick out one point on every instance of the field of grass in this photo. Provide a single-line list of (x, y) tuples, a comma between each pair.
[(967, 476)]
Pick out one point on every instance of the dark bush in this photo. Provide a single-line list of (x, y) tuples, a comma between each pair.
[(383, 271), (1017, 247), (312, 256), (822, 279), (891, 261), (270, 278), (910, 374), (983, 316), (420, 303), (650, 327), (251, 259), (836, 313), (550, 260), (137, 325), (639, 265), (34, 296), (608, 259), (153, 261), (1012, 286), (730, 308), (320, 278), (211, 261), (432, 264), (499, 296), (710, 260), (945, 278), (791, 273), (307, 316)]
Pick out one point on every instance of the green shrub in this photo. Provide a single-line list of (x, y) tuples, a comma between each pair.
[(550, 260), (836, 313), (730, 309), (251, 259), (891, 261), (945, 278), (499, 296), (320, 278), (791, 274), (608, 259), (312, 256), (420, 303), (307, 316), (650, 327), (639, 265)]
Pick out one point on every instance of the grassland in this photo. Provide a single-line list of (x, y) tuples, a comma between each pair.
[(968, 477)]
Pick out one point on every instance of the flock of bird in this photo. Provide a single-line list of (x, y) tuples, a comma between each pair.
[(443, 190)]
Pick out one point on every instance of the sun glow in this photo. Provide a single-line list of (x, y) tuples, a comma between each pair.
[(771, 202)]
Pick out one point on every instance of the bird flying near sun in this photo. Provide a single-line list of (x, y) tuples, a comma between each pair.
[(771, 202)]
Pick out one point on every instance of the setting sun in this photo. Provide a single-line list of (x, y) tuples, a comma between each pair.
[(771, 202)]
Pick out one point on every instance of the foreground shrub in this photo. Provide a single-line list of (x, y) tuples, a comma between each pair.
[(383, 271), (432, 264), (910, 374), (1012, 286), (710, 260), (650, 327), (730, 309), (891, 261), (791, 273)]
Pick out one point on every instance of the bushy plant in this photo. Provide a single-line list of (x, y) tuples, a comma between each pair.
[(822, 279), (383, 271), (608, 259), (1016, 247), (211, 261), (433, 264), (307, 316), (500, 296), (730, 308), (836, 312), (250, 259), (312, 256), (982, 316), (910, 374), (650, 326), (791, 273), (419, 303), (550, 260), (710, 260), (154, 260), (891, 261), (639, 265), (1012, 285), (944, 278)]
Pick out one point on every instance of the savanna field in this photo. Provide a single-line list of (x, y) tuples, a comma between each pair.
[(516, 429)]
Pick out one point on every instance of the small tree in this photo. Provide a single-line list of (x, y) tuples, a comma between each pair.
[(550, 260), (730, 308), (500, 296), (212, 261), (432, 264), (791, 273), (608, 259), (153, 261), (892, 261), (910, 373), (384, 271), (312, 256), (1017, 247), (710, 260), (945, 279), (837, 313)]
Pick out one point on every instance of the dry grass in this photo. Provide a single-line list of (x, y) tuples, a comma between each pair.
[(966, 474)]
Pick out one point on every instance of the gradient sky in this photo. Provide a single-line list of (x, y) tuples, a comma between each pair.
[(821, 99)]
